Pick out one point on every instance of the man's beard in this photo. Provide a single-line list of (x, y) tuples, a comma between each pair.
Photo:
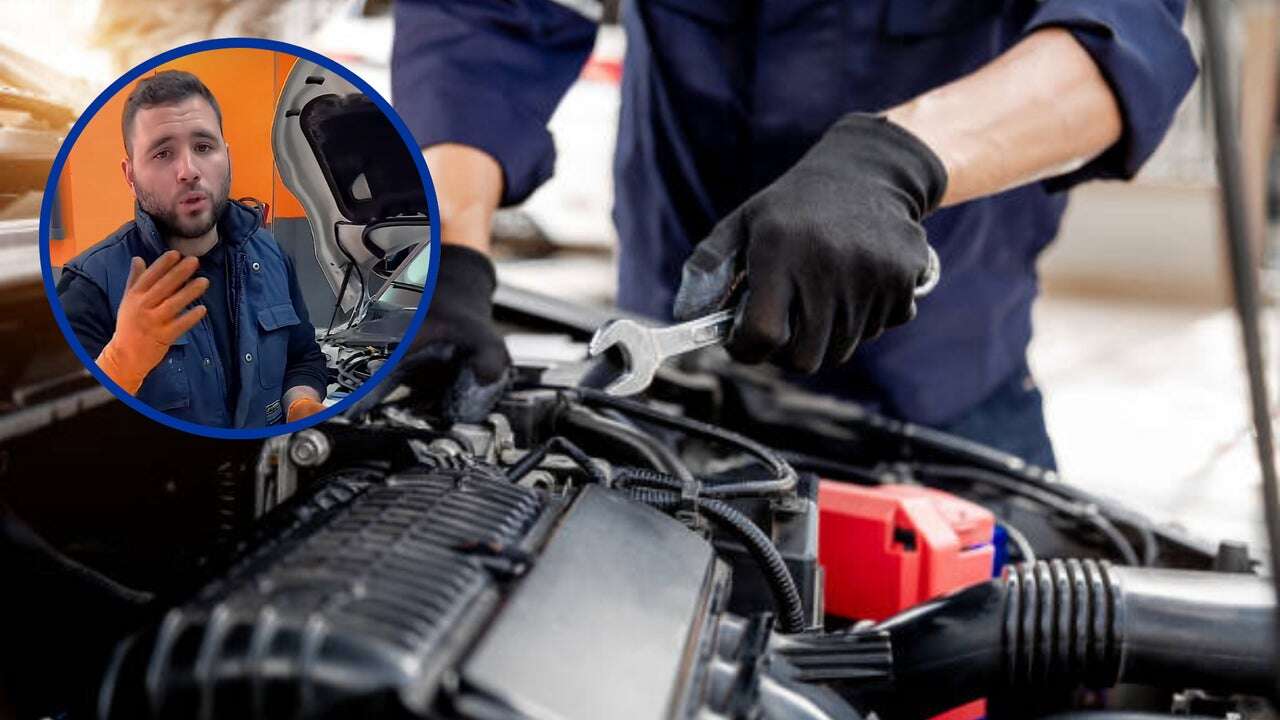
[(170, 223)]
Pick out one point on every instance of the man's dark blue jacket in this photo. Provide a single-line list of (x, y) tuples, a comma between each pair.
[(719, 97), (275, 347)]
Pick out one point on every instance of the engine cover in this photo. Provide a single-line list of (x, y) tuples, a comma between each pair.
[(436, 592)]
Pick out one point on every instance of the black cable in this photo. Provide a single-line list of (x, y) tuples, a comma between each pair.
[(784, 475), (633, 476), (614, 414), (1025, 552), (345, 377), (350, 375), (346, 371), (531, 459), (831, 469), (653, 478), (1240, 246), (1110, 511), (834, 469), (782, 586), (1087, 514), (645, 446), (1140, 525), (837, 470), (957, 449)]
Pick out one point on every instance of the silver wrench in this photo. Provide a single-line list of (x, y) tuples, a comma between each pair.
[(645, 348)]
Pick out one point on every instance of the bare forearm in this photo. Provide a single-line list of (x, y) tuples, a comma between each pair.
[(1039, 110), (468, 185)]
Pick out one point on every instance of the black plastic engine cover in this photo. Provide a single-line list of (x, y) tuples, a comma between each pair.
[(357, 605), (438, 594), (607, 623)]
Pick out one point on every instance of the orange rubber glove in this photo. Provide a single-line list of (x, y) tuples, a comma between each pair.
[(303, 407), (151, 317)]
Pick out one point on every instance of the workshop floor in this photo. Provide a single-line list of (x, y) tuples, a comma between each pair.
[(1148, 404)]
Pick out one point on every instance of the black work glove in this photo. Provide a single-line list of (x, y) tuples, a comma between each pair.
[(832, 251), (457, 366)]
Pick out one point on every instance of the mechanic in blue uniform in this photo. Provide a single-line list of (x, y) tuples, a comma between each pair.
[(232, 347), (817, 144)]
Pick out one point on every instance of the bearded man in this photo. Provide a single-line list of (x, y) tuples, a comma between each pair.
[(192, 307)]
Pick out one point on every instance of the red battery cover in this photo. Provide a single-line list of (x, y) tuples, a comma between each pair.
[(886, 548), (889, 547)]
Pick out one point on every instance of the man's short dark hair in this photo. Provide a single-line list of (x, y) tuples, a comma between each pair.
[(166, 87)]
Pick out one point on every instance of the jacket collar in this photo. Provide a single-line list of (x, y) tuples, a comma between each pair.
[(237, 223)]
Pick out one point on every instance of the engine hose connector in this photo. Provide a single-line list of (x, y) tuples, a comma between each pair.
[(1059, 624)]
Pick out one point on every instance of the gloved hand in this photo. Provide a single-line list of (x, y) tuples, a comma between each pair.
[(832, 250), (151, 317), (457, 365), (303, 407)]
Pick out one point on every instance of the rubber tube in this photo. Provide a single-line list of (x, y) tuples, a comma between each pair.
[(1062, 623), (640, 444), (784, 475)]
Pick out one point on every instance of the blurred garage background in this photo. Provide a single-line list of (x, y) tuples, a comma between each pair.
[(1136, 347)]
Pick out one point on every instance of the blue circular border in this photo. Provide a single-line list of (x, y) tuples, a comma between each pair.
[(51, 187)]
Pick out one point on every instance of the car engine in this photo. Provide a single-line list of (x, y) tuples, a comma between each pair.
[(579, 555)]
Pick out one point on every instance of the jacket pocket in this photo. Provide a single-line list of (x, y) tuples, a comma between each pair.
[(274, 323), (167, 387), (921, 18)]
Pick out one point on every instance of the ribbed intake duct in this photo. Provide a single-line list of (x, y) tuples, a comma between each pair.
[(1060, 624), (1054, 625), (359, 601)]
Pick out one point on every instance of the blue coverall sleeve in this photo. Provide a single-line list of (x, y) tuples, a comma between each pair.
[(88, 311), (1142, 52), (488, 73)]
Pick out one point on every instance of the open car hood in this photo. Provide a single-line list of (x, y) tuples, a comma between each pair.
[(357, 181)]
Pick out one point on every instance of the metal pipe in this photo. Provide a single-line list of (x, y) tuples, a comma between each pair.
[(1244, 284)]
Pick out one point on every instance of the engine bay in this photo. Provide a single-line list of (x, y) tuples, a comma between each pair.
[(579, 555)]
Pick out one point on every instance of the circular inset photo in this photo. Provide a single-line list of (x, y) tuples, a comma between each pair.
[(236, 238)]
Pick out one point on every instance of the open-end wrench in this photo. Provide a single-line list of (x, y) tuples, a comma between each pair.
[(645, 348)]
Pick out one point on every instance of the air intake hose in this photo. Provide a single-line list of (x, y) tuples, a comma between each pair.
[(1062, 623)]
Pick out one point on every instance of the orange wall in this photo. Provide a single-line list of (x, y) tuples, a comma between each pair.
[(95, 198)]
